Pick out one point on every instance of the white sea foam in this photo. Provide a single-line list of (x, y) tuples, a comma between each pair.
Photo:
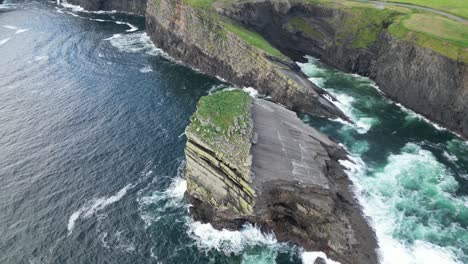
[(319, 81), (103, 12), (251, 91), (73, 14), (146, 69), (75, 8), (412, 114), (21, 30), (170, 198), (10, 27), (134, 42), (310, 257), (383, 191), (3, 41), (310, 68), (229, 242), (113, 37), (132, 27), (41, 58), (95, 205), (450, 157), (345, 103)]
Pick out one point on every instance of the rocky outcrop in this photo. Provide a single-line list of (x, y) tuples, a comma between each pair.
[(289, 181), (131, 6), (421, 79), (198, 37)]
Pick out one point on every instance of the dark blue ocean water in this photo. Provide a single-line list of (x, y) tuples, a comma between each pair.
[(92, 117)]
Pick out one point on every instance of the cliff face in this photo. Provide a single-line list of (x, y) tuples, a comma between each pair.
[(280, 174), (132, 6), (421, 79), (218, 157), (199, 38)]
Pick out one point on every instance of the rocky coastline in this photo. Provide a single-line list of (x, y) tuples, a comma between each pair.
[(265, 166), (252, 160), (421, 79)]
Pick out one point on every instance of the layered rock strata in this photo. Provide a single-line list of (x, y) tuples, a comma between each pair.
[(289, 182), (421, 79), (199, 38)]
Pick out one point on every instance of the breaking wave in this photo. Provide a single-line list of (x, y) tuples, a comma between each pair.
[(362, 122), (3, 41), (229, 242), (412, 205), (92, 207), (134, 42), (146, 69), (154, 204)]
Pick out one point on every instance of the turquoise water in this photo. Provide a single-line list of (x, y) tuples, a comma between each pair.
[(411, 176)]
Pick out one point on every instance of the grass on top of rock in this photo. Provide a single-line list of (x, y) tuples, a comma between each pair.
[(365, 21), (445, 36), (224, 120), (302, 25), (456, 7), (249, 36), (253, 38)]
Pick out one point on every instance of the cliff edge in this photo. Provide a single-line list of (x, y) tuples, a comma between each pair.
[(250, 160), (198, 36), (417, 58)]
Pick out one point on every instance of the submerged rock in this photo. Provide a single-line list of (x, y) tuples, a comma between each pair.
[(288, 181)]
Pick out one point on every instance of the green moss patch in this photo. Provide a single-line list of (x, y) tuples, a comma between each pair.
[(300, 24), (364, 25), (253, 38), (223, 121), (204, 4)]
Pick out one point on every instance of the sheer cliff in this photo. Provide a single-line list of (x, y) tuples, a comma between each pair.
[(250, 160)]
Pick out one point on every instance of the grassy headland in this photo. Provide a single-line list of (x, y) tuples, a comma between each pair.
[(366, 20), (224, 118), (456, 7)]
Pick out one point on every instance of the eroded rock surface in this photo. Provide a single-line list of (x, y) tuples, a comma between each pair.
[(290, 182)]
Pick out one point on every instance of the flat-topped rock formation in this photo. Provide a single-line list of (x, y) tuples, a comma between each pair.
[(276, 172)]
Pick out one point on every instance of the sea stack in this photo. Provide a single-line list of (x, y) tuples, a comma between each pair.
[(251, 160)]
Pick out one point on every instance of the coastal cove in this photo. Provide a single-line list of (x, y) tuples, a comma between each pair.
[(93, 136)]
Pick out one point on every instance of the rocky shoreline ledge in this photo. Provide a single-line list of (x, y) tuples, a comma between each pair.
[(250, 160)]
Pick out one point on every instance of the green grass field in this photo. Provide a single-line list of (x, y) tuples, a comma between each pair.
[(366, 21), (443, 35), (456, 7)]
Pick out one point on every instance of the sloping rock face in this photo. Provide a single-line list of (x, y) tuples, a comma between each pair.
[(198, 38), (132, 6), (421, 79), (290, 182)]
